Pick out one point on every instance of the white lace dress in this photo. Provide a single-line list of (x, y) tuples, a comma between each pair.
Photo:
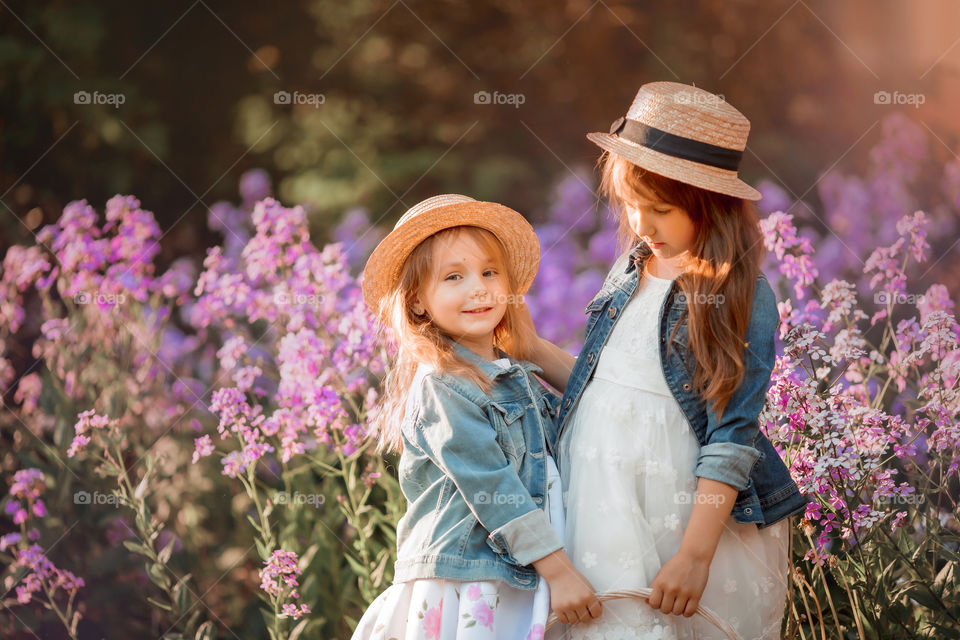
[(629, 456), (435, 609)]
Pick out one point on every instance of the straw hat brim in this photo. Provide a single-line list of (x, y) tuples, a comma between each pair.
[(688, 171), (382, 272)]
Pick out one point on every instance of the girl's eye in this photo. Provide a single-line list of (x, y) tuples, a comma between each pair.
[(490, 273), (452, 276), (662, 210)]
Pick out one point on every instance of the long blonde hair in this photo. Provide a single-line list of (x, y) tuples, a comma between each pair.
[(727, 255), (419, 340)]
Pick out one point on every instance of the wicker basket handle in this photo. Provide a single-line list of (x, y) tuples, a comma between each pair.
[(644, 593)]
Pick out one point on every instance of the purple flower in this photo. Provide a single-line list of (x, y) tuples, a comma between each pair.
[(233, 464), (254, 185)]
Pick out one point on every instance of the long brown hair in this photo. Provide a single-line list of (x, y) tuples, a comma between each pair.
[(419, 340), (727, 255)]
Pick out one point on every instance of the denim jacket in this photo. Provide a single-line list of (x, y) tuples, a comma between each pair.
[(474, 473), (733, 450)]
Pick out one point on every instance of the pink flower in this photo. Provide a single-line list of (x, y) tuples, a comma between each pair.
[(203, 447), (233, 464), (79, 444), (87, 422), (283, 565), (536, 633), (483, 614), (474, 592), (294, 611), (431, 622)]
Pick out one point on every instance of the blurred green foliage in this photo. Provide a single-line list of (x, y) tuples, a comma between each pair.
[(398, 120)]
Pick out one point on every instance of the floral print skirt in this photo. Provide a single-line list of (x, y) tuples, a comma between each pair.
[(436, 609)]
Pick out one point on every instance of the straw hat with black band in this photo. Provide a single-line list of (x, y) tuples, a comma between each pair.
[(382, 272), (684, 133)]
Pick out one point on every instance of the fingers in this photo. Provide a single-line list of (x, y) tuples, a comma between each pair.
[(568, 617), (670, 602), (679, 605), (575, 615), (655, 598), (667, 605), (595, 609)]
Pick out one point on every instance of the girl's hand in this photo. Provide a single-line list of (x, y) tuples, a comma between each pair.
[(679, 584), (572, 596)]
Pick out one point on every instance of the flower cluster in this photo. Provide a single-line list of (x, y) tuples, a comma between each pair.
[(318, 353), (42, 576), (841, 408), (25, 492), (87, 422), (34, 574), (279, 579)]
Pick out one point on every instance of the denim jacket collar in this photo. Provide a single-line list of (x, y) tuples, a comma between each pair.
[(489, 368), (639, 254)]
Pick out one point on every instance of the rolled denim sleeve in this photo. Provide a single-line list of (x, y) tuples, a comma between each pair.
[(730, 453), (455, 433)]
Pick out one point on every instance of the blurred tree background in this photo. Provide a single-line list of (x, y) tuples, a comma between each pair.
[(398, 120), (172, 102)]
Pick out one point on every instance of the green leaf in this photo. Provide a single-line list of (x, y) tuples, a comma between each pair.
[(262, 549), (297, 630), (136, 547), (206, 631), (945, 580), (164, 555), (181, 595), (158, 576), (919, 593), (159, 604)]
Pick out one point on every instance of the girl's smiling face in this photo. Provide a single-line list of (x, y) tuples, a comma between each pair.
[(466, 293), (667, 229)]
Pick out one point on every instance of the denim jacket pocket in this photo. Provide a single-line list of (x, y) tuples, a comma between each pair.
[(595, 306), (510, 429)]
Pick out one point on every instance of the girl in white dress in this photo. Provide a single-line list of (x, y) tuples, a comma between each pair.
[(648, 504), (480, 548)]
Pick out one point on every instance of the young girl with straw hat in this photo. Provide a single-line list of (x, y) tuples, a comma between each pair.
[(479, 550), (659, 437)]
